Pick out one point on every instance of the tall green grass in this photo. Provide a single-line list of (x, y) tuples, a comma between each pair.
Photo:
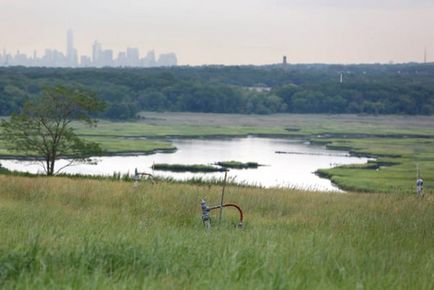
[(394, 170), (63, 233)]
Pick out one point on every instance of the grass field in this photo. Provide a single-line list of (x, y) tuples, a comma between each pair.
[(401, 141), (201, 124), (394, 170), (60, 233)]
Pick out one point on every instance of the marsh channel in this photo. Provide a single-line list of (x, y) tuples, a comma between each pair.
[(285, 162)]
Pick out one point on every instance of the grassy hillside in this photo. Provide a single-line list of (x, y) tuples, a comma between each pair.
[(60, 233)]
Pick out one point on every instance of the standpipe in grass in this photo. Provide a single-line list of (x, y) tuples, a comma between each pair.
[(206, 219)]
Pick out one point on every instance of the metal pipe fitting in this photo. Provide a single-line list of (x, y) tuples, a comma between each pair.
[(206, 210)]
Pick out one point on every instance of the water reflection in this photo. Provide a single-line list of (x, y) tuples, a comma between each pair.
[(295, 168)]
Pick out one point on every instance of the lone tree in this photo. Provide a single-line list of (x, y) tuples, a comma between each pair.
[(43, 128)]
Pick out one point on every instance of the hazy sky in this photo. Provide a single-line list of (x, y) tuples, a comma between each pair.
[(228, 31)]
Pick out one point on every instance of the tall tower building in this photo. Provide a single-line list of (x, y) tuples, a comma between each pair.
[(149, 60), (71, 53), (96, 53), (133, 56)]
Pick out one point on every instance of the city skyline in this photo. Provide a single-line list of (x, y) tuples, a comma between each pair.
[(100, 57), (229, 32)]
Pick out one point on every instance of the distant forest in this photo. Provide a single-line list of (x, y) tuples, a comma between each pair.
[(365, 89)]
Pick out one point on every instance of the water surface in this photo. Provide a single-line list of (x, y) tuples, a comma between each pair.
[(295, 169)]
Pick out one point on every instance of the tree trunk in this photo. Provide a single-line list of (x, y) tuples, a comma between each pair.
[(52, 166), (48, 169)]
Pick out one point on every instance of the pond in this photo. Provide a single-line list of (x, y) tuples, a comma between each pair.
[(293, 167)]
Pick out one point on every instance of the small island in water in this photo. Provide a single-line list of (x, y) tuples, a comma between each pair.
[(187, 168), (238, 165), (217, 167)]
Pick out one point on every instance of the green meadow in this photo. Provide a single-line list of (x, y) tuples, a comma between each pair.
[(397, 164), (96, 233), (62, 233), (399, 144)]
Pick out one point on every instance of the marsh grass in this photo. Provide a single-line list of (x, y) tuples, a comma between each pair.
[(64, 233), (394, 170), (186, 167), (238, 164), (404, 141)]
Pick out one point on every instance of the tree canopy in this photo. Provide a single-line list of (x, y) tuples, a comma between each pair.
[(43, 127), (366, 89)]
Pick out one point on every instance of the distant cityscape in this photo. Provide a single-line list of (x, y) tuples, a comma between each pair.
[(100, 57)]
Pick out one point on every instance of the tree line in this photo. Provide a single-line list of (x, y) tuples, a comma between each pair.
[(370, 89)]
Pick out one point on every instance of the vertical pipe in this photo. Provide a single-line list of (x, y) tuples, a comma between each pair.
[(222, 198)]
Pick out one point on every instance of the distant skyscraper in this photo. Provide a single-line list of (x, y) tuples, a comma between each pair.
[(149, 59), (85, 61), (20, 58), (122, 59), (107, 57), (54, 58), (133, 56), (71, 53), (284, 60), (167, 59), (100, 57), (96, 53), (69, 43)]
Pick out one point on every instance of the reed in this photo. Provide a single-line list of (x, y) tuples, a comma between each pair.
[(238, 164), (187, 167), (69, 233)]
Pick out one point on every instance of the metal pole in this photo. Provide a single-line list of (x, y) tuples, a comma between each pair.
[(222, 198)]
